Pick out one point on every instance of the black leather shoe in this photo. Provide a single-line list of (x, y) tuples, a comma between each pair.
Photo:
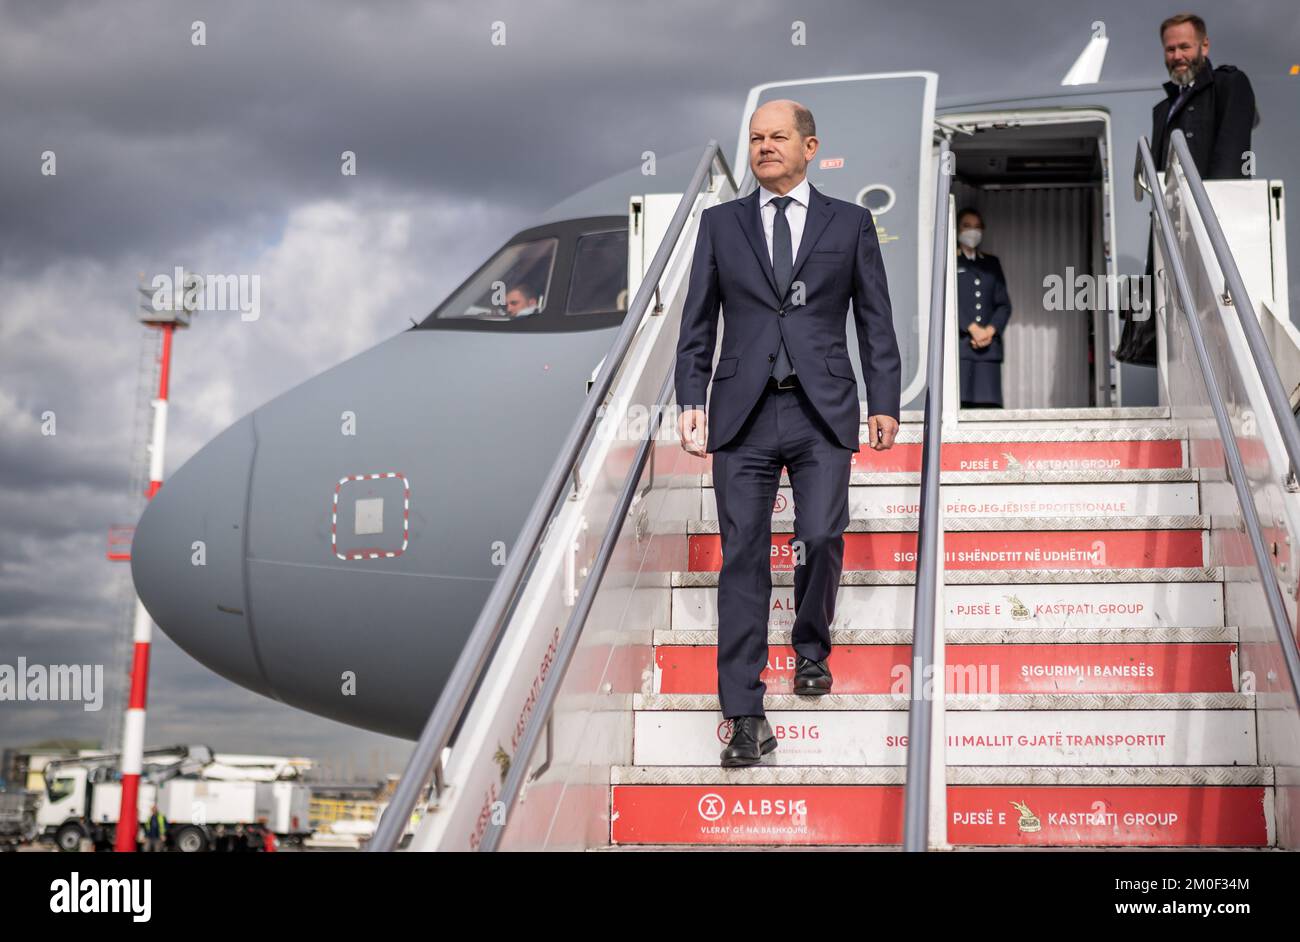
[(751, 739), (811, 678)]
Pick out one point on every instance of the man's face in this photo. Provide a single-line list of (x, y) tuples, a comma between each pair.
[(516, 301), (778, 156), (1184, 52)]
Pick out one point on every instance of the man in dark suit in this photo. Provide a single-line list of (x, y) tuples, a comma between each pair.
[(784, 261), (1215, 110), (1213, 107)]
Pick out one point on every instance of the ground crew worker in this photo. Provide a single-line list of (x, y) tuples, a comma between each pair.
[(155, 831)]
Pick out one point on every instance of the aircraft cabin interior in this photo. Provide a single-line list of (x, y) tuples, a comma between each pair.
[(1042, 193)]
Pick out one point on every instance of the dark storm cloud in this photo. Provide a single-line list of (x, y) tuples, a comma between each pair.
[(156, 137), (35, 462), (186, 705)]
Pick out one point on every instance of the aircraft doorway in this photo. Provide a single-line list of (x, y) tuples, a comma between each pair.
[(1040, 181)]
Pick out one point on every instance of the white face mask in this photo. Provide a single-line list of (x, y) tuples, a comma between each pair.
[(970, 237)]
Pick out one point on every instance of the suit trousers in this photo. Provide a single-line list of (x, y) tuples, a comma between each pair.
[(783, 429)]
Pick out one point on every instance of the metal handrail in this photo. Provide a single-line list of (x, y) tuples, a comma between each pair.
[(1231, 451), (426, 758), (1239, 300), (539, 720), (916, 797)]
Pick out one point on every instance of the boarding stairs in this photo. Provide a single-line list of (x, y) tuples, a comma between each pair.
[(1094, 689), (1102, 601)]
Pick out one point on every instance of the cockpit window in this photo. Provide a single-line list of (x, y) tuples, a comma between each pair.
[(599, 283), (567, 266), (513, 285)]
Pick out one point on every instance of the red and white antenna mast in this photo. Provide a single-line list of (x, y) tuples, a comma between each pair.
[(181, 301)]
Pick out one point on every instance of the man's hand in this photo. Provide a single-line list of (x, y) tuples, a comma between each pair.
[(882, 429), (693, 429)]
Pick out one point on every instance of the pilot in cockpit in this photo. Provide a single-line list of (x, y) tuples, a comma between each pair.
[(521, 300)]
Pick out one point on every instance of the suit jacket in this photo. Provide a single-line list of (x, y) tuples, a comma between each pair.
[(981, 298), (1216, 118), (838, 261)]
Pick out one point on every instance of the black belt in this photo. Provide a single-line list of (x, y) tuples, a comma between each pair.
[(790, 382)]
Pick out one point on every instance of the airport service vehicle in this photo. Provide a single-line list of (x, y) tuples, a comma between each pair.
[(83, 797)]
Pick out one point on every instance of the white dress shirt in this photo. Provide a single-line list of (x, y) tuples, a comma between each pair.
[(795, 213)]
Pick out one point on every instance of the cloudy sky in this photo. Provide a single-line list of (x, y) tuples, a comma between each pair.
[(224, 157)]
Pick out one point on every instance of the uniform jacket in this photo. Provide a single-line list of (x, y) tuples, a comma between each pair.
[(1216, 118), (838, 261), (981, 298)]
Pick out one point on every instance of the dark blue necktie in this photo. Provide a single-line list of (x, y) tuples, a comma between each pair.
[(1178, 103), (783, 269)]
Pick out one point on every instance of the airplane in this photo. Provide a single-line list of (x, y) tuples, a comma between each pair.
[(355, 524)]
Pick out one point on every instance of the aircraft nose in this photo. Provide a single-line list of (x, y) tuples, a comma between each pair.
[(187, 558)]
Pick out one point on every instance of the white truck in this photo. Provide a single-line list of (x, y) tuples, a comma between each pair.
[(208, 804)]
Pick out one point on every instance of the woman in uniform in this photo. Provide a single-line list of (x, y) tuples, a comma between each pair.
[(983, 309)]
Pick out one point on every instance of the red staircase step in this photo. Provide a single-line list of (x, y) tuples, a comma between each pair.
[(997, 668), (1112, 816), (990, 549), (982, 815), (1029, 456), (823, 815)]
